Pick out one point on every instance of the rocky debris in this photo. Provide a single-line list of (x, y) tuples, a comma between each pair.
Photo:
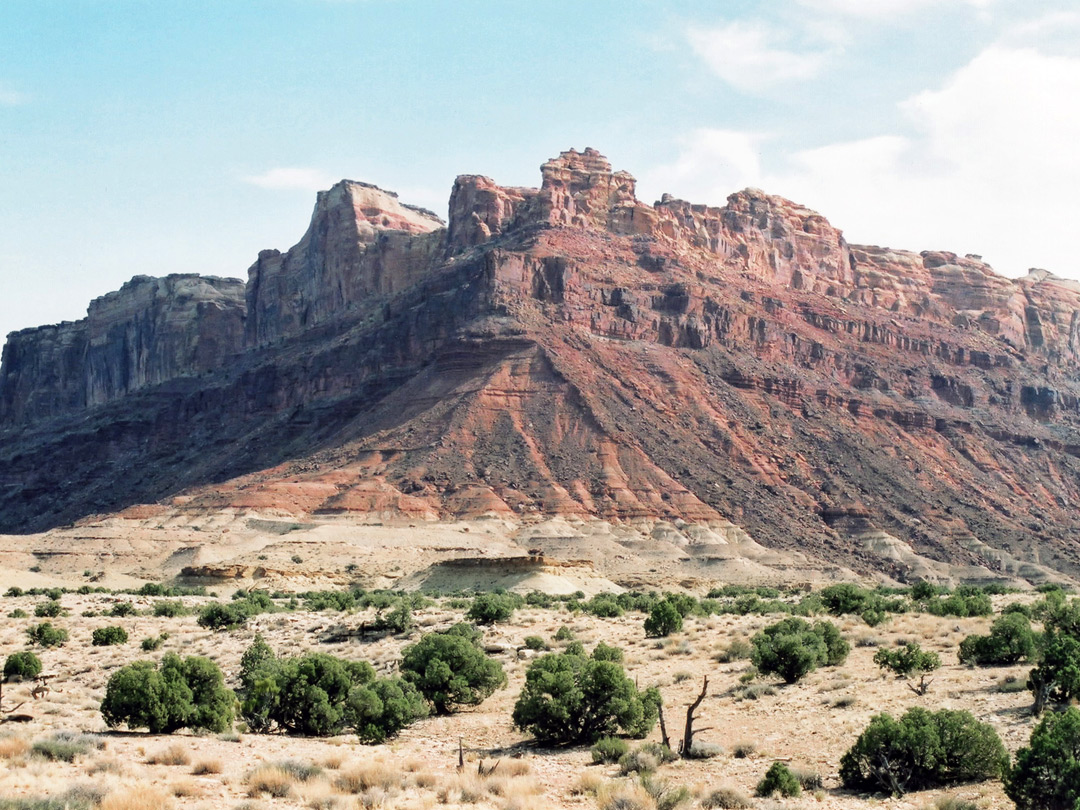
[(570, 350)]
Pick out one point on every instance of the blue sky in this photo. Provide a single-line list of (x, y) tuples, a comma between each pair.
[(156, 137)]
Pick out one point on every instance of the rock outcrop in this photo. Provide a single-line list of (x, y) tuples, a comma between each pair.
[(150, 331), (570, 350)]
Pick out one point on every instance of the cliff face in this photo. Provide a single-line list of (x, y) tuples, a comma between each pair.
[(148, 332), (571, 350)]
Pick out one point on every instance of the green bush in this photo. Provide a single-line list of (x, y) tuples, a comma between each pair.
[(779, 779), (65, 746), (380, 709), (646, 758), (568, 698), (908, 660), (607, 652), (320, 695), (1046, 775), (107, 636), (21, 666), (489, 608), (170, 608), (18, 613), (564, 633), (1057, 677), (151, 643), (608, 750), (663, 620), (222, 616), (122, 609), (1011, 640), (450, 669), (46, 635), (48, 610), (846, 598), (535, 643), (604, 605), (181, 693), (397, 620), (793, 647), (922, 750), (964, 602)]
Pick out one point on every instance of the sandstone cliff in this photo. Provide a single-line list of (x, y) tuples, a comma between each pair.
[(571, 350)]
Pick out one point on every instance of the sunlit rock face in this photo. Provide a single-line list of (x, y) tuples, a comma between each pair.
[(570, 350)]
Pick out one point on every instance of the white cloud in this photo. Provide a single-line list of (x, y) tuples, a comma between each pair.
[(10, 97), (752, 56), (883, 9), (987, 163), (292, 179)]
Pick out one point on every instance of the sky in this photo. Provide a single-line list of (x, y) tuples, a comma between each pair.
[(167, 136)]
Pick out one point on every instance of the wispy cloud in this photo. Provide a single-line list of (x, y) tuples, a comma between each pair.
[(292, 178), (752, 56), (883, 9), (985, 162), (9, 97)]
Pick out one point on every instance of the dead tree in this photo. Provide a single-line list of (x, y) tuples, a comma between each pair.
[(7, 712), (687, 744), (663, 730), (922, 687)]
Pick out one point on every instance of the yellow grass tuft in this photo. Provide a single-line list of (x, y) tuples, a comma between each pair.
[(13, 747), (270, 779), (140, 797), (206, 766), (173, 755), (366, 775)]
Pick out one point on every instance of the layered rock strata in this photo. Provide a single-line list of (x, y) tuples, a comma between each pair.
[(571, 350)]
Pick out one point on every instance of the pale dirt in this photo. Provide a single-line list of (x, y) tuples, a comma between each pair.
[(798, 723)]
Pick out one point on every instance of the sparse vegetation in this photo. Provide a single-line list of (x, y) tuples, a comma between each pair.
[(793, 647), (923, 749)]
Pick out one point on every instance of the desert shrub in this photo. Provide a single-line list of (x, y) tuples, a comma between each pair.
[(49, 609), (703, 750), (107, 636), (535, 643), (665, 795), (607, 652), (564, 633), (923, 590), (965, 601), (221, 616), (122, 609), (151, 643), (664, 619), (18, 613), (65, 746), (846, 598), (922, 750), (793, 647), (908, 660), (570, 698), (380, 709), (726, 798), (1046, 775), (489, 608), (181, 693), (778, 779), (450, 669), (539, 599), (1060, 616), (646, 758), (46, 635), (21, 666), (604, 605), (396, 620), (737, 650), (306, 695), (1057, 677), (608, 750), (1011, 640), (169, 608)]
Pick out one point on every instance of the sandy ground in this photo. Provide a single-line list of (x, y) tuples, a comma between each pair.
[(810, 724)]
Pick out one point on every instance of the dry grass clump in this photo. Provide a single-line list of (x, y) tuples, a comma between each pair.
[(743, 749), (272, 780), (726, 798), (186, 789), (175, 754), (375, 773), (206, 766), (13, 747), (333, 761), (588, 784), (626, 794), (139, 797)]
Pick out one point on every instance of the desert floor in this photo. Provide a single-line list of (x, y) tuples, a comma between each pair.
[(810, 724)]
